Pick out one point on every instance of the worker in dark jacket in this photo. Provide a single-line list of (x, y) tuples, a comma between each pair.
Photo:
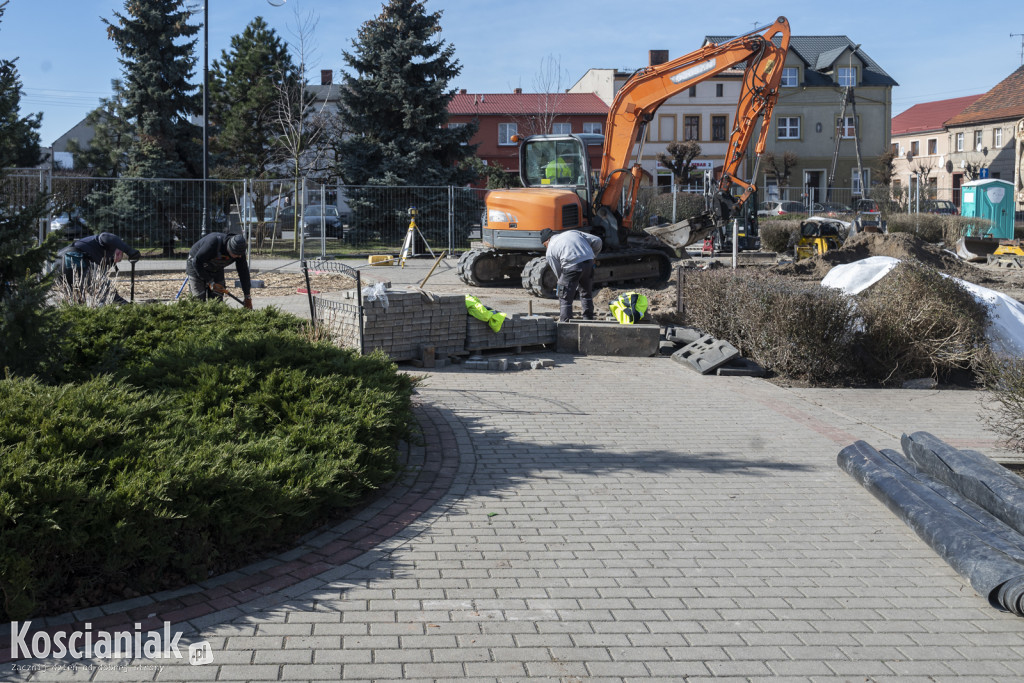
[(207, 260), (571, 255), (75, 263)]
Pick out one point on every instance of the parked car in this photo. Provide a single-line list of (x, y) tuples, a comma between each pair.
[(776, 207), (312, 220), (940, 206), (832, 209), (70, 225)]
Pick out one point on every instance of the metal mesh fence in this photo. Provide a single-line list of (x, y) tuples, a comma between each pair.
[(281, 217)]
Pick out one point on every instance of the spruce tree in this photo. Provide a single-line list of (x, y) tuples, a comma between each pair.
[(396, 103), (245, 86), (25, 322), (156, 45), (19, 144)]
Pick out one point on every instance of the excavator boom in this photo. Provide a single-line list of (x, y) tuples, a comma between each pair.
[(640, 97)]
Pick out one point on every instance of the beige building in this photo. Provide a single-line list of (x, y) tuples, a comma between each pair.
[(806, 120), (921, 148)]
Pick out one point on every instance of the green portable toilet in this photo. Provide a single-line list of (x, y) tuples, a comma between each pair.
[(991, 199)]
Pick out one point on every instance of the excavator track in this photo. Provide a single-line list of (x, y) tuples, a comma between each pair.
[(490, 267), (626, 268)]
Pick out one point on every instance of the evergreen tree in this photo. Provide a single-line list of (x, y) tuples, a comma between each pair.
[(157, 60), (244, 91), (25, 322), (396, 104), (19, 145)]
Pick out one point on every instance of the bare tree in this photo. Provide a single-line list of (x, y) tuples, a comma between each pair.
[(549, 84), (301, 117), (679, 158), (788, 161)]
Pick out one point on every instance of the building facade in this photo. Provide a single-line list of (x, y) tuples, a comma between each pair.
[(809, 116), (501, 116)]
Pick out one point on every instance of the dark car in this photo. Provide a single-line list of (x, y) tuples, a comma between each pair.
[(312, 220), (940, 206)]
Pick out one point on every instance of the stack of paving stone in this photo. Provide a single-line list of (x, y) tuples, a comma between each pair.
[(517, 331), (410, 323)]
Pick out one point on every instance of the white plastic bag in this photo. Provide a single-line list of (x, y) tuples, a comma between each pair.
[(377, 292)]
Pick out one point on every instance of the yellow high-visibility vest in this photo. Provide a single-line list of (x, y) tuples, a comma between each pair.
[(629, 308), (493, 318)]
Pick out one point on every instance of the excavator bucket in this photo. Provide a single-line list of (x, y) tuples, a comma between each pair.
[(684, 233)]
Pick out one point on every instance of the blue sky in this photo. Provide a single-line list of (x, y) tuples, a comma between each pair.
[(935, 50)]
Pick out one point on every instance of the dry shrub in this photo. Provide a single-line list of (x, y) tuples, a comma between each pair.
[(88, 287), (934, 228), (918, 323), (1004, 379), (777, 234), (799, 330)]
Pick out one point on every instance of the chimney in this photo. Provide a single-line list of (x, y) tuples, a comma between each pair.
[(518, 91), (462, 92), (326, 76), (656, 57)]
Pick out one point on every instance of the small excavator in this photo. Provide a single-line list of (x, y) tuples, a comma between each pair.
[(562, 192)]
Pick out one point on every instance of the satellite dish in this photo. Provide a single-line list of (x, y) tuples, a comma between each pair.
[(279, 3), (949, 167), (910, 156), (979, 147), (963, 163)]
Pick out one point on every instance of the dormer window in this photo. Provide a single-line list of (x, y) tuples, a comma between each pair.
[(790, 77), (847, 76)]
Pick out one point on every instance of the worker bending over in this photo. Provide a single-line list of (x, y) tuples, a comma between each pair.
[(75, 263), (571, 254), (207, 260)]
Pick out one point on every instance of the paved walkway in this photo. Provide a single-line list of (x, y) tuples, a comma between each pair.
[(609, 519)]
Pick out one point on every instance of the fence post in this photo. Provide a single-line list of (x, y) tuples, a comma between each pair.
[(309, 293), (359, 310), (451, 218)]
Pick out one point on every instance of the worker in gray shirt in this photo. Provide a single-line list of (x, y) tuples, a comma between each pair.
[(571, 254)]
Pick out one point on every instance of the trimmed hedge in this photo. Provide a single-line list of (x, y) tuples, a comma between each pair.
[(912, 323), (182, 441)]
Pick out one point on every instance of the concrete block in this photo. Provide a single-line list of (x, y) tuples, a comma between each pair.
[(567, 337), (741, 367), (706, 354), (600, 338)]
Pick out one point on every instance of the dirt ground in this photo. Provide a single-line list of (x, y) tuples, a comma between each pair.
[(165, 286), (662, 300)]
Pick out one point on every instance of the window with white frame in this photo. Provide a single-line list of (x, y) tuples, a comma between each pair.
[(788, 127), (505, 133), (596, 128), (997, 137), (959, 142), (561, 128), (933, 146), (977, 139), (846, 127), (790, 77), (858, 181), (847, 76)]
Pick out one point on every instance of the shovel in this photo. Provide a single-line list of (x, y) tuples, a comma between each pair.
[(132, 297)]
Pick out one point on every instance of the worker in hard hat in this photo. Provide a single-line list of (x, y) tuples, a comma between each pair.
[(207, 260)]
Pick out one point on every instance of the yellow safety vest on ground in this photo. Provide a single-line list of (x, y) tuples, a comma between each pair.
[(493, 318), (629, 308)]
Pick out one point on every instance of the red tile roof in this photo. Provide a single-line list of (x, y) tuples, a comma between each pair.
[(527, 103), (1004, 101), (930, 115)]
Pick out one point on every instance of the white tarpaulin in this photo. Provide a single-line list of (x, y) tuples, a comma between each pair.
[(1006, 315)]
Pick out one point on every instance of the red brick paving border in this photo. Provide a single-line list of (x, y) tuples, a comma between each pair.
[(435, 465)]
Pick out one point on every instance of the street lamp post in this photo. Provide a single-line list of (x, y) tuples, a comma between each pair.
[(206, 106)]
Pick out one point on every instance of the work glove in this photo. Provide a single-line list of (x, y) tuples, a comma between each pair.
[(134, 256), (247, 303), (218, 288)]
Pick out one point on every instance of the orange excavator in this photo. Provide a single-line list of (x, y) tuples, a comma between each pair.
[(561, 191)]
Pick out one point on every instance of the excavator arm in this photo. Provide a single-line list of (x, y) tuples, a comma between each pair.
[(639, 98)]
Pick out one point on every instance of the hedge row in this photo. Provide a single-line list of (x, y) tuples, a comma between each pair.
[(181, 441)]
